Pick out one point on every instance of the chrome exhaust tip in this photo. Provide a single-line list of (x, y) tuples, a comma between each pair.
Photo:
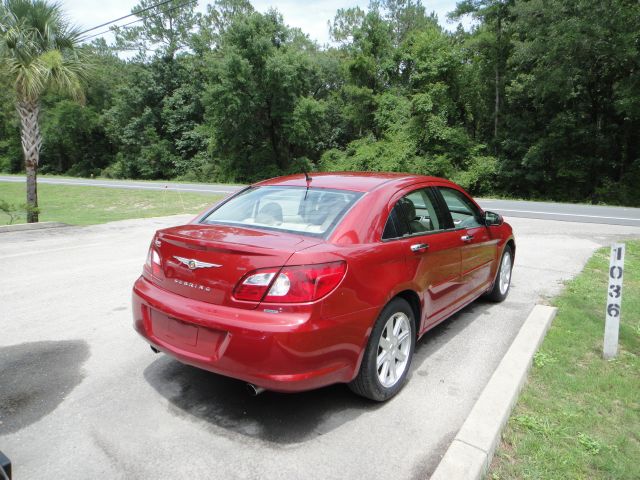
[(254, 390)]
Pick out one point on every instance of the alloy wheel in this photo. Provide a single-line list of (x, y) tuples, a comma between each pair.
[(505, 273), (393, 349)]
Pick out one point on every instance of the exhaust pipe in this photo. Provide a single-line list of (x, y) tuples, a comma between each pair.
[(154, 349), (254, 390)]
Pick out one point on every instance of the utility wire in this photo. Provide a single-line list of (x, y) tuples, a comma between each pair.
[(134, 21), (116, 26), (126, 16)]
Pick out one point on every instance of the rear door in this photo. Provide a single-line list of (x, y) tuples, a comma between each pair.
[(478, 249), (432, 255)]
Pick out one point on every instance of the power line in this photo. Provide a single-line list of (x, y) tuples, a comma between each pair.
[(116, 26), (126, 16), (134, 21)]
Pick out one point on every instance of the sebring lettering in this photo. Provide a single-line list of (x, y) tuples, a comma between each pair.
[(192, 285)]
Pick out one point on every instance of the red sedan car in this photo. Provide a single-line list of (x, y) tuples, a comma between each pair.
[(296, 283)]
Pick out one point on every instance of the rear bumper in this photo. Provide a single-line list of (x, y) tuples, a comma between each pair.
[(285, 352)]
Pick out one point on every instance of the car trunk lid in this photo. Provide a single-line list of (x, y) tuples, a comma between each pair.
[(205, 262)]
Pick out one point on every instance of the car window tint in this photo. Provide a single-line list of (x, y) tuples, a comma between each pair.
[(390, 230), (293, 209), (413, 214), (463, 212), (396, 225)]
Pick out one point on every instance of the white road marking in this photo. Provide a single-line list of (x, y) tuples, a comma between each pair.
[(568, 214)]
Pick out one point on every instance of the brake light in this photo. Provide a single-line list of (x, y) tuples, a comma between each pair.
[(154, 262), (294, 284), (254, 285)]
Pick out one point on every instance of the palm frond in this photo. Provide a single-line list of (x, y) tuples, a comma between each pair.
[(41, 49)]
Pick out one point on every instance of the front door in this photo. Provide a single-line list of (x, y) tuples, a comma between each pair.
[(478, 249)]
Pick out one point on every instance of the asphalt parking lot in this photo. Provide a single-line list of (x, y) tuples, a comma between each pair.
[(82, 396)]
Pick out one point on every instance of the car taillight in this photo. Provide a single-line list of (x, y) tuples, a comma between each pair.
[(154, 263), (300, 283), (254, 285)]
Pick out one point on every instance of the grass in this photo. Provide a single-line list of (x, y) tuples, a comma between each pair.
[(79, 205), (578, 417)]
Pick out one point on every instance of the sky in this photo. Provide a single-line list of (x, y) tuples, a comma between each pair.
[(309, 15)]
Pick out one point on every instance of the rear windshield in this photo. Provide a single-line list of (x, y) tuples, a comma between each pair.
[(293, 209)]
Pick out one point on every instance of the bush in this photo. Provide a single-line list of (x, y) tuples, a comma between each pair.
[(479, 178), (15, 212)]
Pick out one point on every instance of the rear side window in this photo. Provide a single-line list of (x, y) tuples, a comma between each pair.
[(463, 211), (396, 225), (293, 209), (413, 214)]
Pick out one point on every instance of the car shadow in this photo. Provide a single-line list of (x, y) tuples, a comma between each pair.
[(277, 418), (272, 417)]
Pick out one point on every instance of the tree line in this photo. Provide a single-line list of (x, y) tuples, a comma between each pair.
[(539, 99)]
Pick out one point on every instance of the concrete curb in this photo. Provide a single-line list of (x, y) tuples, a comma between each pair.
[(470, 453), (18, 227)]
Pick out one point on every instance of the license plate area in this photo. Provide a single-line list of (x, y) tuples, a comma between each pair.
[(204, 342), (182, 332)]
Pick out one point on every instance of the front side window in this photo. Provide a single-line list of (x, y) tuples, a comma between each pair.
[(413, 214), (294, 209), (463, 211)]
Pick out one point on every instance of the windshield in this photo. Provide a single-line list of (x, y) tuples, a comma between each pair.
[(293, 209)]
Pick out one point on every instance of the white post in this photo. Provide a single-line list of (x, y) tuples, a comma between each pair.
[(614, 300)]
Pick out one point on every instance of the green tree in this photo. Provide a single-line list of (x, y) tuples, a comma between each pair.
[(165, 29), (493, 42), (11, 158), (573, 101), (74, 141), (39, 51), (154, 114), (257, 99), (345, 23), (217, 19), (134, 124), (406, 16)]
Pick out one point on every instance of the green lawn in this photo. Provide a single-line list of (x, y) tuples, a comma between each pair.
[(89, 205), (579, 415)]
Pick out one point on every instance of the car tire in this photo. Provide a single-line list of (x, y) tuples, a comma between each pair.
[(389, 352), (502, 282)]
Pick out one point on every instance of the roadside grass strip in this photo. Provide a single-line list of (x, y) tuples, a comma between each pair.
[(80, 205), (578, 417)]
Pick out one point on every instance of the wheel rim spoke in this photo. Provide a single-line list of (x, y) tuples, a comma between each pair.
[(393, 349), (385, 344), (402, 337), (381, 358), (385, 370), (397, 326), (392, 370)]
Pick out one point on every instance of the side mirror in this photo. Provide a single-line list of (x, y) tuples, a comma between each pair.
[(492, 219)]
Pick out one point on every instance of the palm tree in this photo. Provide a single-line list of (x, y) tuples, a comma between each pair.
[(39, 51)]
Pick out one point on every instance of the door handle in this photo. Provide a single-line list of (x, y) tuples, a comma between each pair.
[(466, 238), (419, 247)]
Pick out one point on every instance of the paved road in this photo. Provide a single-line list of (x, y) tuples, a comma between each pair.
[(509, 208), (131, 185), (82, 396)]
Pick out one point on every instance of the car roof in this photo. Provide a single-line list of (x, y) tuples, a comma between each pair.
[(355, 181)]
